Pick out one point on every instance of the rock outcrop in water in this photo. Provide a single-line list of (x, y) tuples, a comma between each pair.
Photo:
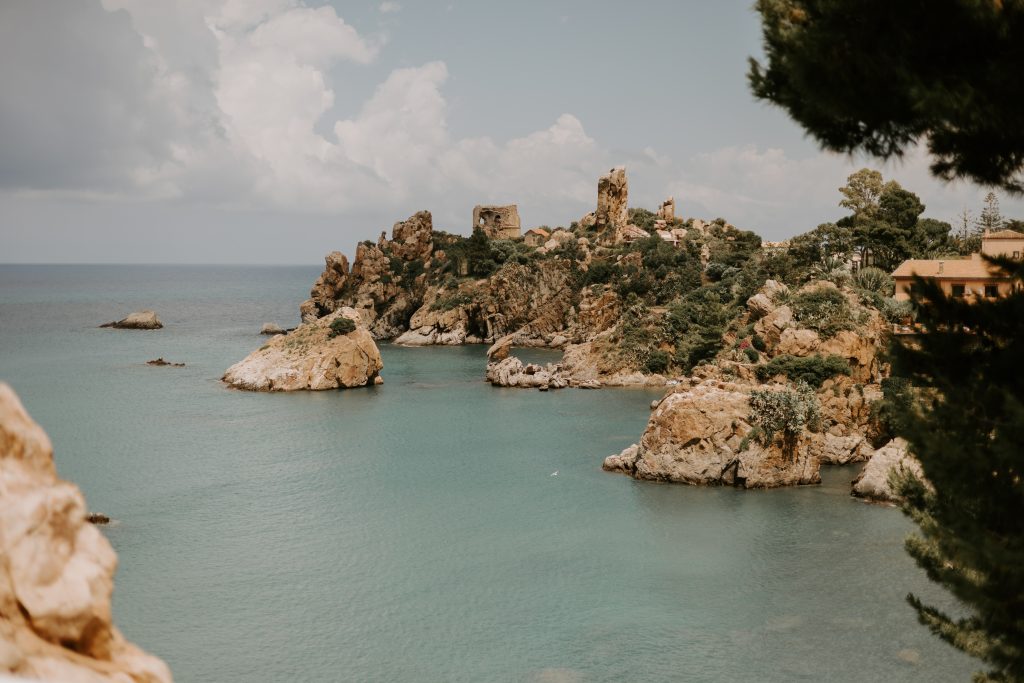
[(56, 571), (700, 434), (874, 482), (314, 356), (140, 320)]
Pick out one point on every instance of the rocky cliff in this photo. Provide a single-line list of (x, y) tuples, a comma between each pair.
[(56, 571), (334, 352)]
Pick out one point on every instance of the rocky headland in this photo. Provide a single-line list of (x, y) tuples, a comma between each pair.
[(333, 352), (745, 335), (56, 571)]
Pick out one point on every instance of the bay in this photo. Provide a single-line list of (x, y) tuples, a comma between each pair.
[(414, 531)]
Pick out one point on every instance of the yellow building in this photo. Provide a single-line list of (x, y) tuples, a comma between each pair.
[(971, 277)]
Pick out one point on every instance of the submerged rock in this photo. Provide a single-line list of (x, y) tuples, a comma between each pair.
[(313, 356), (56, 571), (161, 362), (97, 518), (700, 435), (140, 320)]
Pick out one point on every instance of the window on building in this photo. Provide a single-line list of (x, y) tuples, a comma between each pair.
[(958, 291), (991, 291)]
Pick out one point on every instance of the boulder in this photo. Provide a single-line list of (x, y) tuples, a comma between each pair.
[(511, 372), (873, 482), (140, 320), (842, 450), (56, 571), (763, 303), (311, 357), (699, 435)]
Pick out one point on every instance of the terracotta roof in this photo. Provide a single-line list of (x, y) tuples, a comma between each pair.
[(1004, 235), (973, 268), (538, 231)]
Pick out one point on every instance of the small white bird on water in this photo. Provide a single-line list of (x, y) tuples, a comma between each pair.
[(555, 473)]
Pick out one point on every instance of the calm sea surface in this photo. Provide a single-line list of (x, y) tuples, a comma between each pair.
[(413, 532)]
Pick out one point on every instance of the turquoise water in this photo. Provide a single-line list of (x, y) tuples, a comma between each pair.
[(412, 532)]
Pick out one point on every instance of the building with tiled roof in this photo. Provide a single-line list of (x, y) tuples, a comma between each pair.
[(971, 277)]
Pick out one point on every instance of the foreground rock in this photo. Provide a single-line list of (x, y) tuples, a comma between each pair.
[(699, 434), (272, 329), (311, 357), (140, 320), (56, 571), (874, 481)]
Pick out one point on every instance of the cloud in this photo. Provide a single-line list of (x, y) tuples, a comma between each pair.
[(389, 7), (229, 103)]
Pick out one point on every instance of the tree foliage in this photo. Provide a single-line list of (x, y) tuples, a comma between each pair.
[(880, 76), (966, 428)]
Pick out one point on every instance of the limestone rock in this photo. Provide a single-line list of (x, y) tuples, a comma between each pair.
[(612, 200), (667, 210), (873, 480), (763, 303), (271, 329), (842, 450), (413, 238), (511, 372), (311, 357), (56, 571), (699, 435), (140, 320)]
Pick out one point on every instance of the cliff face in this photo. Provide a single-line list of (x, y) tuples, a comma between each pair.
[(314, 356), (56, 571)]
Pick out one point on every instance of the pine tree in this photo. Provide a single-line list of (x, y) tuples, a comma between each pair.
[(967, 430), (990, 218)]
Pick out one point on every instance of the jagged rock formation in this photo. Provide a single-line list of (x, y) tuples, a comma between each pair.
[(497, 222), (667, 210), (700, 434), (272, 329), (873, 482), (314, 357), (56, 571), (140, 320)]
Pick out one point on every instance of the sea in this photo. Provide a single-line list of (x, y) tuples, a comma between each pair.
[(434, 528)]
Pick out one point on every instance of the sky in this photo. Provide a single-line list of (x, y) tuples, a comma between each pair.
[(274, 131)]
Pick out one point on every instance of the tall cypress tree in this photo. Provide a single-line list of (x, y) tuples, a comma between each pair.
[(967, 430)]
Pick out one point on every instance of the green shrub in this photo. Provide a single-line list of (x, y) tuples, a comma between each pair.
[(657, 362), (875, 280), (757, 341), (642, 218), (752, 355), (812, 370), (787, 411), (824, 309), (450, 302), (341, 325), (600, 272), (896, 311)]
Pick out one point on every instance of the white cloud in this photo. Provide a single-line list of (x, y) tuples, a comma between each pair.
[(389, 7), (235, 97)]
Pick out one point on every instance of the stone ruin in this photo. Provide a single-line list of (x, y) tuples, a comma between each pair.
[(667, 210), (497, 222), (612, 198)]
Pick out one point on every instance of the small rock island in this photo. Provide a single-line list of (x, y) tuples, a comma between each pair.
[(333, 352)]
